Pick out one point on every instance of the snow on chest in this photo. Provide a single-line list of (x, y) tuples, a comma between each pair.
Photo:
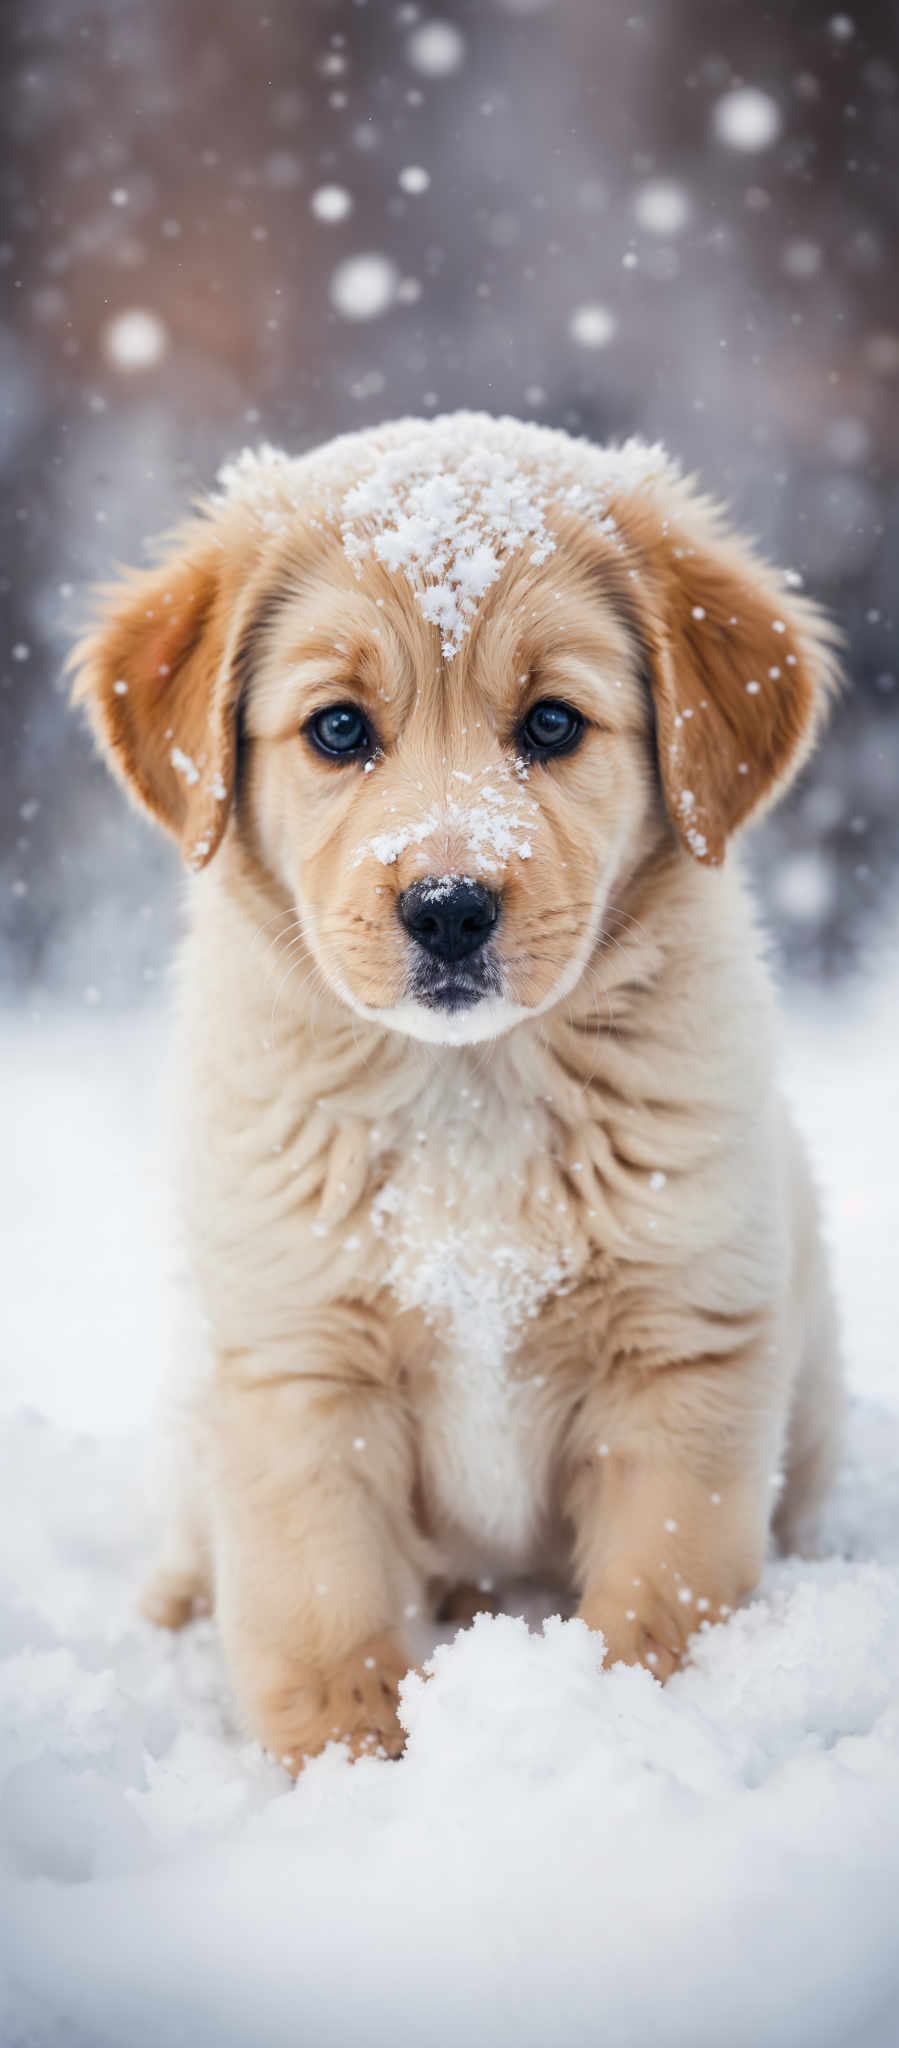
[(479, 1282)]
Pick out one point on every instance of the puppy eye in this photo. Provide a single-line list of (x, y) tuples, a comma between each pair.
[(339, 731), (551, 727)]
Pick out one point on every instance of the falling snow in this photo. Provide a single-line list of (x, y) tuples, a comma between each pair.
[(592, 326), (662, 206), (363, 287), (331, 203), (136, 339), (436, 49), (747, 119)]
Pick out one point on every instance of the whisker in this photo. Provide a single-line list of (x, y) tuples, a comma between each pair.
[(313, 973), (290, 914)]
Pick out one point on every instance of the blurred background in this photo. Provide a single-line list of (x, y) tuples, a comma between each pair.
[(279, 222)]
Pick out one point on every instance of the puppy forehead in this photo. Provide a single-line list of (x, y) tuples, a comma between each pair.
[(552, 629), (327, 626), (323, 631)]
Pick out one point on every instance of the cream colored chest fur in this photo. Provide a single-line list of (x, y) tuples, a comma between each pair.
[(477, 1234)]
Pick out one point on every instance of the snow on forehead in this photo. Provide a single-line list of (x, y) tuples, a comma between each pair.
[(444, 502)]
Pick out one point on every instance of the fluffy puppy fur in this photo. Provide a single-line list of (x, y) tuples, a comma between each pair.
[(509, 1261)]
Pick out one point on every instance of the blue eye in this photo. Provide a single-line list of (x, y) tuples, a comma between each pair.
[(552, 727), (339, 731)]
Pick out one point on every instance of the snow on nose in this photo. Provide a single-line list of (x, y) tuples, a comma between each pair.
[(483, 825), (450, 916)]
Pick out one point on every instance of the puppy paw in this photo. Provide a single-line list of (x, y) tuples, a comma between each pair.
[(463, 1602), (639, 1626), (172, 1598), (355, 1703)]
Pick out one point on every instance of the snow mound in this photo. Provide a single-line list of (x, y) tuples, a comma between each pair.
[(565, 1853)]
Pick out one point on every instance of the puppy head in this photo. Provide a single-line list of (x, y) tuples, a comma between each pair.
[(464, 676)]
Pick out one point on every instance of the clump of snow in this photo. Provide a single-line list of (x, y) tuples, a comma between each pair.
[(565, 1853), (448, 520), (184, 765), (364, 286), (746, 118), (696, 840), (414, 178), (490, 820)]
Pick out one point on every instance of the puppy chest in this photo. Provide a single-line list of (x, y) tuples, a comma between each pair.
[(480, 1277), (483, 1463)]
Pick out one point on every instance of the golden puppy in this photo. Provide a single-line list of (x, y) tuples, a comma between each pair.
[(505, 1244)]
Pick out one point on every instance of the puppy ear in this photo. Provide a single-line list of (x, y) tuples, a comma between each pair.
[(740, 667), (159, 675)]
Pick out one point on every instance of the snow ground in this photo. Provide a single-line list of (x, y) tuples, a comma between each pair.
[(564, 1855)]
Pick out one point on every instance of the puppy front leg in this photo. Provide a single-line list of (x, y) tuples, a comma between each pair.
[(670, 1498), (316, 1554)]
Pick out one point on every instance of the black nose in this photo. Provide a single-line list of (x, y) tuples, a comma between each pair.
[(448, 915)]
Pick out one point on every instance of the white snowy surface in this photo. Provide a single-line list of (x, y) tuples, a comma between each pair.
[(565, 1855)]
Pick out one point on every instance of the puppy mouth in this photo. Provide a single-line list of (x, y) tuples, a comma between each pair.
[(458, 985)]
